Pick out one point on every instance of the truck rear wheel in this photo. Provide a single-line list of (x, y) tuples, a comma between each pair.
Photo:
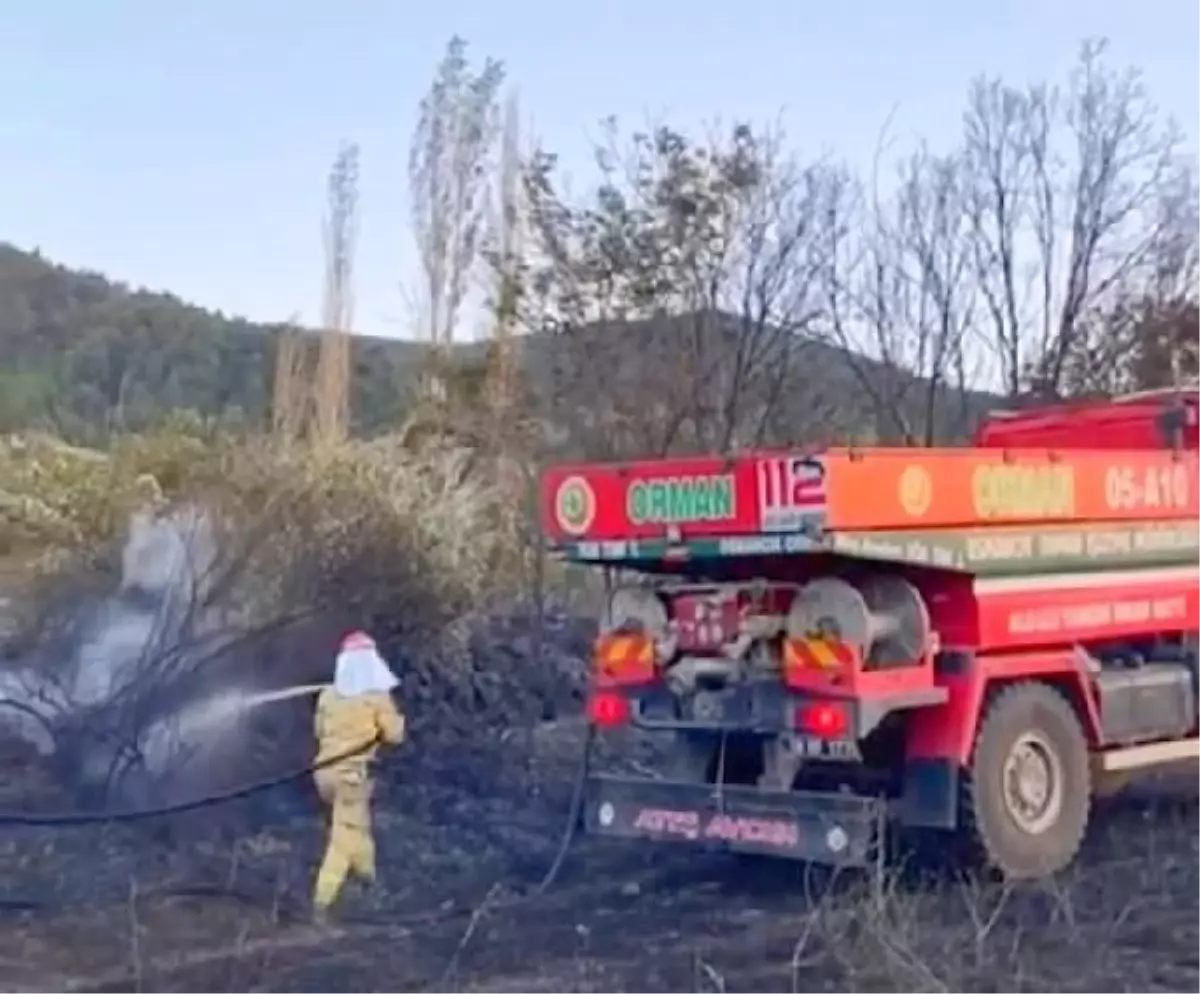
[(1027, 793)]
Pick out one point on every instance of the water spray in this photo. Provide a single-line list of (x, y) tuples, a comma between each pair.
[(203, 720), (286, 694)]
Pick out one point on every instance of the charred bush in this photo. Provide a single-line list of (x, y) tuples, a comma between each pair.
[(139, 651)]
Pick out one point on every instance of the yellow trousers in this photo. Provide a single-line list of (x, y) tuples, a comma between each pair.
[(346, 790)]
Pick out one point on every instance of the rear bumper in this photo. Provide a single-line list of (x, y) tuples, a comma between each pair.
[(825, 828)]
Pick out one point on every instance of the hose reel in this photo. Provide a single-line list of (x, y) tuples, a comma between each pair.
[(638, 607), (885, 620)]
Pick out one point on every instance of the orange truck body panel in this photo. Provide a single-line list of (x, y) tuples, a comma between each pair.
[(942, 488)]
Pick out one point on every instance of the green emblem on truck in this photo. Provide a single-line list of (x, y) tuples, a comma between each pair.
[(682, 500), (575, 505)]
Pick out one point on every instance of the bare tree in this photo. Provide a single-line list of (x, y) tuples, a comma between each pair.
[(1168, 337), (1061, 188), (507, 252), (681, 289), (901, 300), (291, 390), (449, 174), (1147, 336), (1175, 254), (331, 413)]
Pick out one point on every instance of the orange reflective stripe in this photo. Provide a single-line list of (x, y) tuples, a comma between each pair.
[(846, 653), (822, 654), (620, 658), (791, 656), (616, 652), (619, 651), (818, 653)]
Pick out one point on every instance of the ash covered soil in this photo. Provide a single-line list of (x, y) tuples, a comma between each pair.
[(466, 826)]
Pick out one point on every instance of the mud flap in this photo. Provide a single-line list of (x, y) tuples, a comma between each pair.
[(828, 828)]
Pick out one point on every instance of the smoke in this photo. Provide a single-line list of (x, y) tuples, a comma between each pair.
[(145, 695)]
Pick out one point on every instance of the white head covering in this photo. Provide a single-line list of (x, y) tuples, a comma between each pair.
[(360, 669)]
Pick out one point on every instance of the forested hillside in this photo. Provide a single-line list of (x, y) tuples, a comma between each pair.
[(85, 356)]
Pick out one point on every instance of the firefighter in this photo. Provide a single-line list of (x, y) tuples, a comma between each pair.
[(354, 715)]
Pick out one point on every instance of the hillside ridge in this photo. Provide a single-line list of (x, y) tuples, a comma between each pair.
[(84, 355)]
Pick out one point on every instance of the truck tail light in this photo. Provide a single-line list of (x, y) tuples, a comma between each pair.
[(622, 659), (824, 719), (803, 656), (608, 709)]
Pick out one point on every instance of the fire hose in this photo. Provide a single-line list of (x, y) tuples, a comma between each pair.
[(73, 818)]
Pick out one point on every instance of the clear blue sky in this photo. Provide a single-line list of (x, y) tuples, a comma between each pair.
[(184, 145)]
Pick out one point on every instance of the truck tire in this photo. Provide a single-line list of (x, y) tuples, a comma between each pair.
[(1027, 792)]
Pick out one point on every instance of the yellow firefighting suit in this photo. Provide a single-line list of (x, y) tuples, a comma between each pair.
[(360, 713)]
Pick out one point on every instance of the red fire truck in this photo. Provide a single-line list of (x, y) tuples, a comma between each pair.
[(839, 643)]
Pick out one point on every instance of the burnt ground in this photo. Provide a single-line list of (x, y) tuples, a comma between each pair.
[(217, 899)]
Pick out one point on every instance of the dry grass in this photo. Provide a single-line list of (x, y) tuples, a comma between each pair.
[(956, 937)]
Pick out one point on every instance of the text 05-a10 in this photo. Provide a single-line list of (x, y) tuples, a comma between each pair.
[(1127, 489)]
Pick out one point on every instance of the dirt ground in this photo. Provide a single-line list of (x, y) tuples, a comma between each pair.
[(217, 900)]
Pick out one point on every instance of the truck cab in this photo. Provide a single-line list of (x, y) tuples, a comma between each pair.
[(1152, 419)]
